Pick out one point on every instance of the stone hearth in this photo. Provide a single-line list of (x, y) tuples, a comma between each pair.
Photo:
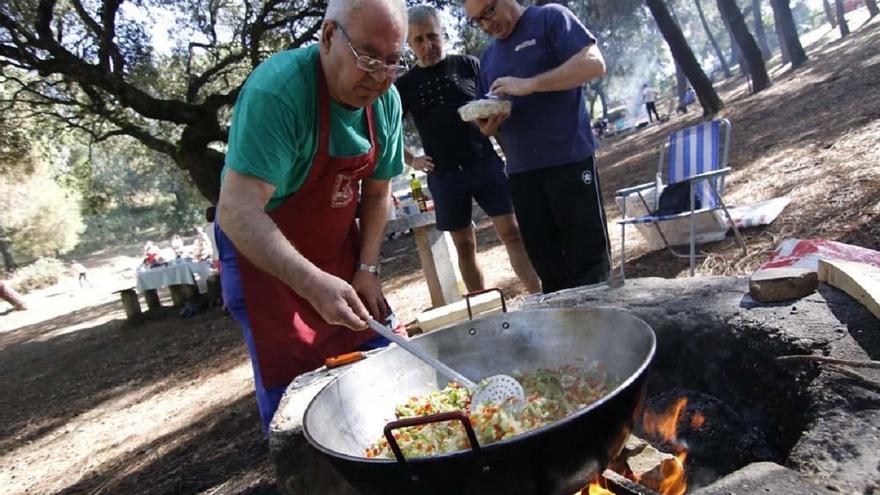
[(824, 428)]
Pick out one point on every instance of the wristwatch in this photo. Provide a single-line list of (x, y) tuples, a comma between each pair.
[(366, 267)]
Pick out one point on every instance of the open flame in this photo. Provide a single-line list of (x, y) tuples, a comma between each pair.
[(668, 472), (596, 488), (665, 426)]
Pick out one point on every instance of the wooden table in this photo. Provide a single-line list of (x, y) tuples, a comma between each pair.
[(437, 255)]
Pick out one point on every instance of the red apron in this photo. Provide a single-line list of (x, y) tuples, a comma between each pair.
[(290, 337)]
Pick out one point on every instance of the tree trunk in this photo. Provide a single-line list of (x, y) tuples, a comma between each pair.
[(872, 8), (718, 53), (735, 53), (600, 89), (777, 26), (9, 295), (750, 50), (829, 14), (684, 56), (680, 84), (203, 164), (841, 19), (786, 26), (760, 34), (6, 252)]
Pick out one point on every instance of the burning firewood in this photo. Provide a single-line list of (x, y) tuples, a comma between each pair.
[(641, 462)]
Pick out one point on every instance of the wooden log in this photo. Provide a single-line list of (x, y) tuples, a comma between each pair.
[(651, 467), (633, 446), (482, 304), (12, 297), (782, 284), (621, 485), (152, 298), (860, 280), (130, 303)]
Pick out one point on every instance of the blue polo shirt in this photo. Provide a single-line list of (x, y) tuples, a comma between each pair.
[(544, 129)]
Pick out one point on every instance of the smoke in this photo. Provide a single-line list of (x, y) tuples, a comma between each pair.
[(626, 89)]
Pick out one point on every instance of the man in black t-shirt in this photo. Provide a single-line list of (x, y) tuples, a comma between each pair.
[(460, 161)]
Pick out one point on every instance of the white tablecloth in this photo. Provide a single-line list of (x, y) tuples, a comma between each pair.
[(179, 273)]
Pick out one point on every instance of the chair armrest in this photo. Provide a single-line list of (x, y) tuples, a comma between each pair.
[(629, 190), (708, 175)]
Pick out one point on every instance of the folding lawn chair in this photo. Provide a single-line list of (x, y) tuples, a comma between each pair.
[(699, 156)]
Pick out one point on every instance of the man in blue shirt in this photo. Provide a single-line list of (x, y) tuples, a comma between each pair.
[(540, 59)]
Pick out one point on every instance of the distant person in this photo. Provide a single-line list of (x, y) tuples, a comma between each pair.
[(210, 213), (152, 255), (9, 295), (689, 97), (177, 246), (649, 97), (202, 246), (81, 273)]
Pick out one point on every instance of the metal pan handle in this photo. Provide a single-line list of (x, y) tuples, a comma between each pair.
[(433, 418), (468, 296)]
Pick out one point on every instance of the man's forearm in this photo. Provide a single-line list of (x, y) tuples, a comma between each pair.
[(582, 67), (257, 237), (375, 207)]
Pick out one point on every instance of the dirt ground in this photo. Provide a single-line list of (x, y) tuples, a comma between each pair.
[(93, 405)]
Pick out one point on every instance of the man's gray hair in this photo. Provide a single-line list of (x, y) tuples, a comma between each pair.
[(340, 10), (421, 14)]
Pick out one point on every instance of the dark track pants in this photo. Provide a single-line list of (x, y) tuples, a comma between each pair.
[(562, 221)]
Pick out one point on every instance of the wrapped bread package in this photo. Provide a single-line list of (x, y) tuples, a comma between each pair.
[(483, 109)]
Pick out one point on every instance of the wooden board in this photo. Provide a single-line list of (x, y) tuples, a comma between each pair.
[(482, 304), (860, 280), (782, 284)]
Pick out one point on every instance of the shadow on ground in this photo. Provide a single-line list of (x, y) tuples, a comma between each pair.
[(50, 378)]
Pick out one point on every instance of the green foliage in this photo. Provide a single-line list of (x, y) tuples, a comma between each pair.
[(44, 272), (16, 156), (40, 217), (132, 193)]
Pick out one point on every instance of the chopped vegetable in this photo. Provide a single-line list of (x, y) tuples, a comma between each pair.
[(551, 394)]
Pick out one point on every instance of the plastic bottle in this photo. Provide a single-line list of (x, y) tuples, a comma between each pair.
[(417, 193)]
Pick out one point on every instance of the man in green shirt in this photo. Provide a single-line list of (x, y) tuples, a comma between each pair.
[(316, 136)]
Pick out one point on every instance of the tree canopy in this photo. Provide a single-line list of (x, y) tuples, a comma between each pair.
[(167, 72)]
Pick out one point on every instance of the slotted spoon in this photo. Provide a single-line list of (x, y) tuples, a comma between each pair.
[(496, 389)]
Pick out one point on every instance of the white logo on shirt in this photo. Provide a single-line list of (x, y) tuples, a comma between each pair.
[(525, 44), (343, 193)]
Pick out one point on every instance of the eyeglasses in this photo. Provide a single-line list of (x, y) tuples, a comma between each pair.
[(370, 64), (487, 15)]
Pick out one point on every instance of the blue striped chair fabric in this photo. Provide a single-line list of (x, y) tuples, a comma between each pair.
[(696, 150), (693, 151)]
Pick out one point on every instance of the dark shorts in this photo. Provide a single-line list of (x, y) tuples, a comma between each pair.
[(454, 191)]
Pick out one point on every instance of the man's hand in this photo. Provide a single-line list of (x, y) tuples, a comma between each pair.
[(513, 86), (423, 163), (369, 288), (491, 125), (335, 300)]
